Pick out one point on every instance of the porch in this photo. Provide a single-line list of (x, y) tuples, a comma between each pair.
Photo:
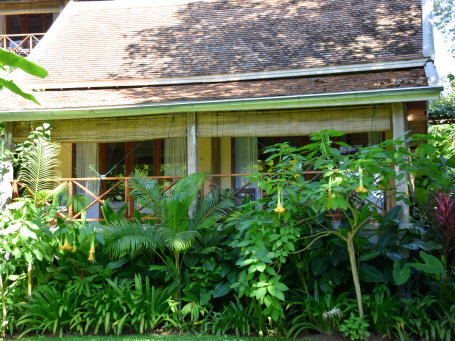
[(98, 155), (20, 44)]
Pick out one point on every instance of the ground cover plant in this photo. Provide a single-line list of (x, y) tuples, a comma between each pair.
[(315, 254)]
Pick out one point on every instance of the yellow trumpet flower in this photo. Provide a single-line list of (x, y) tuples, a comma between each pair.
[(92, 251), (361, 189), (66, 245), (279, 207), (74, 249)]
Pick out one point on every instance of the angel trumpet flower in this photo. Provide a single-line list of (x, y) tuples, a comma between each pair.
[(279, 208)]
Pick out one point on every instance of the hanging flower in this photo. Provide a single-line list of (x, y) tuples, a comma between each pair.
[(279, 208), (66, 245), (74, 249), (91, 251), (361, 189)]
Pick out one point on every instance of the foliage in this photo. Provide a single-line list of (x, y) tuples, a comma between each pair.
[(282, 265), (238, 318), (355, 327), (442, 110), (321, 313), (9, 61)]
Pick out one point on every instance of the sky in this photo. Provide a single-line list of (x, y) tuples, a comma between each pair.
[(444, 60)]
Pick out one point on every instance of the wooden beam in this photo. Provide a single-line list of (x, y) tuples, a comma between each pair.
[(191, 142), (399, 124), (157, 156)]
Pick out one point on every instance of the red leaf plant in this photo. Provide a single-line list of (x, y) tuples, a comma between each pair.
[(444, 214)]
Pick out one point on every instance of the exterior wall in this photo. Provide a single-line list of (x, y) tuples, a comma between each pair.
[(66, 160), (226, 164), (417, 117)]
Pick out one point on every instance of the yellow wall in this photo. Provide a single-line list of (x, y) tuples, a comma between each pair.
[(215, 157), (66, 160), (226, 161)]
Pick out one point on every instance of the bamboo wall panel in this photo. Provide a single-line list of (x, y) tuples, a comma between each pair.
[(294, 122), (105, 130)]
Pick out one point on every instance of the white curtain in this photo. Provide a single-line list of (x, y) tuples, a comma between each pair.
[(87, 166), (245, 158), (175, 156)]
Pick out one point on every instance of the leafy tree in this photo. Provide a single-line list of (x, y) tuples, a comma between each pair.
[(444, 19), (442, 111)]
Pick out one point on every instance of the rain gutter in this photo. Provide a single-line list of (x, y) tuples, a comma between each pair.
[(264, 103)]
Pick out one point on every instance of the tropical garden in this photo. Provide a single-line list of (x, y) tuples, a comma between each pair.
[(314, 255)]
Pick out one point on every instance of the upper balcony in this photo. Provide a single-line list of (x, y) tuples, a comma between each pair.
[(20, 44)]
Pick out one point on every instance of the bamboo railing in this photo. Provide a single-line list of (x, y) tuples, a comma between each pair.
[(20, 44)]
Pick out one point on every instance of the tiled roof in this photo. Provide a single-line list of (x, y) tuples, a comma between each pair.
[(97, 41), (92, 98)]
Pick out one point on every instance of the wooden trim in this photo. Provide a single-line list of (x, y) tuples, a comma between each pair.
[(157, 155)]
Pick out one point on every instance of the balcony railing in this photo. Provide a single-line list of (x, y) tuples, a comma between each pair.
[(117, 190), (20, 44)]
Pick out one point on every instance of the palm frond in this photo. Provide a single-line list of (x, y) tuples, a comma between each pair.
[(177, 241), (147, 192), (40, 163), (177, 205), (123, 236), (210, 209)]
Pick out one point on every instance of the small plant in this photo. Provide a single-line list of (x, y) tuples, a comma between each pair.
[(355, 328)]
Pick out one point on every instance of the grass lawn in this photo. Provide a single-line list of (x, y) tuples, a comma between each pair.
[(152, 338)]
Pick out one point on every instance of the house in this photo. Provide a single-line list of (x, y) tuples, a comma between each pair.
[(181, 86), (24, 23)]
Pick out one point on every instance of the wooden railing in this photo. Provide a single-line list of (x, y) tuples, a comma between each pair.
[(20, 44), (117, 191)]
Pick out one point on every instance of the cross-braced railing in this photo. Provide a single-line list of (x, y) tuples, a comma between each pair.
[(20, 44), (117, 191)]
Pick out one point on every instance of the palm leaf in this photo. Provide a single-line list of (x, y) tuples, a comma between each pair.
[(178, 204), (211, 209), (177, 241), (39, 164), (147, 192), (123, 236)]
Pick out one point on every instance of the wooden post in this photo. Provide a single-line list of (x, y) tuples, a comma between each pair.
[(71, 193), (399, 129), (6, 167), (191, 142), (129, 169)]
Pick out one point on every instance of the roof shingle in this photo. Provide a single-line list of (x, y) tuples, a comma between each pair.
[(139, 40), (92, 98)]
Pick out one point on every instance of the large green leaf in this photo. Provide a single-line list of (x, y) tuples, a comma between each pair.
[(431, 264), (15, 61), (401, 272), (371, 274), (319, 264), (11, 86)]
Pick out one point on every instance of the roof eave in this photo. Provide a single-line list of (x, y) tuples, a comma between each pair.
[(264, 103)]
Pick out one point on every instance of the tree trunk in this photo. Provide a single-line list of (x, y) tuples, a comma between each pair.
[(355, 274), (2, 289)]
